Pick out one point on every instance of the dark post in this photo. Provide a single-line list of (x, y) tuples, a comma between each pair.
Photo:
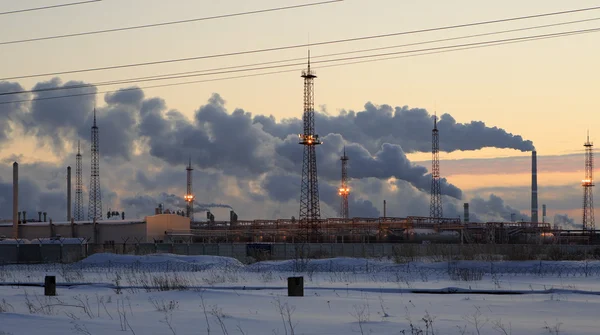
[(295, 286), (50, 286)]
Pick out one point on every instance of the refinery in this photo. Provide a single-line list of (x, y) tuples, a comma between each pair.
[(166, 226)]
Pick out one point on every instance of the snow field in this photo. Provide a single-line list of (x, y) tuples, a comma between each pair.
[(218, 295)]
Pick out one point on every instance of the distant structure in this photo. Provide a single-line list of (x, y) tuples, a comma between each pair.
[(435, 207), (189, 196), (534, 189), (95, 203), (310, 212), (16, 219), (78, 213), (344, 189), (69, 194), (588, 183)]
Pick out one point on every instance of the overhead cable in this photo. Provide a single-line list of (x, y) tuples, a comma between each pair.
[(300, 45), (48, 7), (95, 32), (297, 69)]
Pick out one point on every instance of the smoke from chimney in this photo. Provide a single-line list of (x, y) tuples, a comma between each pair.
[(534, 191)]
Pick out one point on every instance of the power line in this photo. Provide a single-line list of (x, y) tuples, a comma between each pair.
[(48, 7), (293, 70), (220, 72), (300, 45), (54, 37)]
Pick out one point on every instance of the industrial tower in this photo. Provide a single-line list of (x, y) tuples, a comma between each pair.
[(78, 213), (189, 196), (588, 183), (310, 212), (435, 207), (95, 204), (344, 189)]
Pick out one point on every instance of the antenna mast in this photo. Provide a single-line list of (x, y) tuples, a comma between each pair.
[(310, 212), (588, 183), (435, 208), (95, 201), (189, 197), (344, 189), (78, 214)]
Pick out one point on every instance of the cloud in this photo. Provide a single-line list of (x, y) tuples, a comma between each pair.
[(250, 163)]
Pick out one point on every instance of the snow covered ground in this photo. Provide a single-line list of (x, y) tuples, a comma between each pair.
[(171, 294)]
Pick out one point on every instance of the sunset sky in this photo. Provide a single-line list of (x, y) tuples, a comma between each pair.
[(543, 91)]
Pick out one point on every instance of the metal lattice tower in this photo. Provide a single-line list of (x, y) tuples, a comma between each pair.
[(588, 183), (78, 210), (189, 196), (310, 212), (435, 207), (95, 203), (344, 189)]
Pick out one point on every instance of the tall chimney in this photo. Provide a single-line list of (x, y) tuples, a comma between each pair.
[(544, 213), (384, 209), (24, 217), (39, 216), (68, 193), (466, 215), (15, 200), (45, 216), (534, 195)]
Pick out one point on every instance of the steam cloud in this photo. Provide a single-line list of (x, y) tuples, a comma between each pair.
[(250, 149)]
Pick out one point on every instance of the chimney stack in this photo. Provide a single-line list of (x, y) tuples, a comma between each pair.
[(45, 216), (534, 191), (15, 200), (24, 217), (544, 213), (466, 214), (39, 216), (384, 209), (68, 193)]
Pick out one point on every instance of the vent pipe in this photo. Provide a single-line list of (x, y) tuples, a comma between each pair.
[(16, 216), (68, 193), (534, 190)]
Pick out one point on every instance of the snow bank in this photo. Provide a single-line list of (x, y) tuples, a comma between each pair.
[(169, 261), (339, 264)]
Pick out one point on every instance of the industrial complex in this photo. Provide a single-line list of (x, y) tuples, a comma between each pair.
[(165, 226)]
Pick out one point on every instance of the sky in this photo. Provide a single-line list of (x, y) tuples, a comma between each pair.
[(495, 103)]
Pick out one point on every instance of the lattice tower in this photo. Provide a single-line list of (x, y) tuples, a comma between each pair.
[(310, 212), (435, 207), (189, 196), (95, 199), (344, 189), (78, 210), (588, 184)]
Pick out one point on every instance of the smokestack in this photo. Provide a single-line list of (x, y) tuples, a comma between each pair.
[(544, 213), (68, 193), (16, 200), (45, 216), (534, 195), (39, 216), (384, 208), (466, 214), (24, 217)]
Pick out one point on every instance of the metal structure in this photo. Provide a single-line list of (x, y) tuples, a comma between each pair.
[(344, 189), (78, 213), (435, 207), (69, 214), (534, 189), (189, 196), (95, 199), (310, 212), (588, 183), (15, 200)]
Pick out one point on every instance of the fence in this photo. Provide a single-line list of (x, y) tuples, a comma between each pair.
[(69, 253)]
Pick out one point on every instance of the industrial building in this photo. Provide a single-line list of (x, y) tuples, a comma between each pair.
[(151, 229)]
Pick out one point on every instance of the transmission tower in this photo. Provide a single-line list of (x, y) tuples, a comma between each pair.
[(189, 197), (344, 189), (435, 208), (95, 204), (588, 183), (78, 214), (310, 212)]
